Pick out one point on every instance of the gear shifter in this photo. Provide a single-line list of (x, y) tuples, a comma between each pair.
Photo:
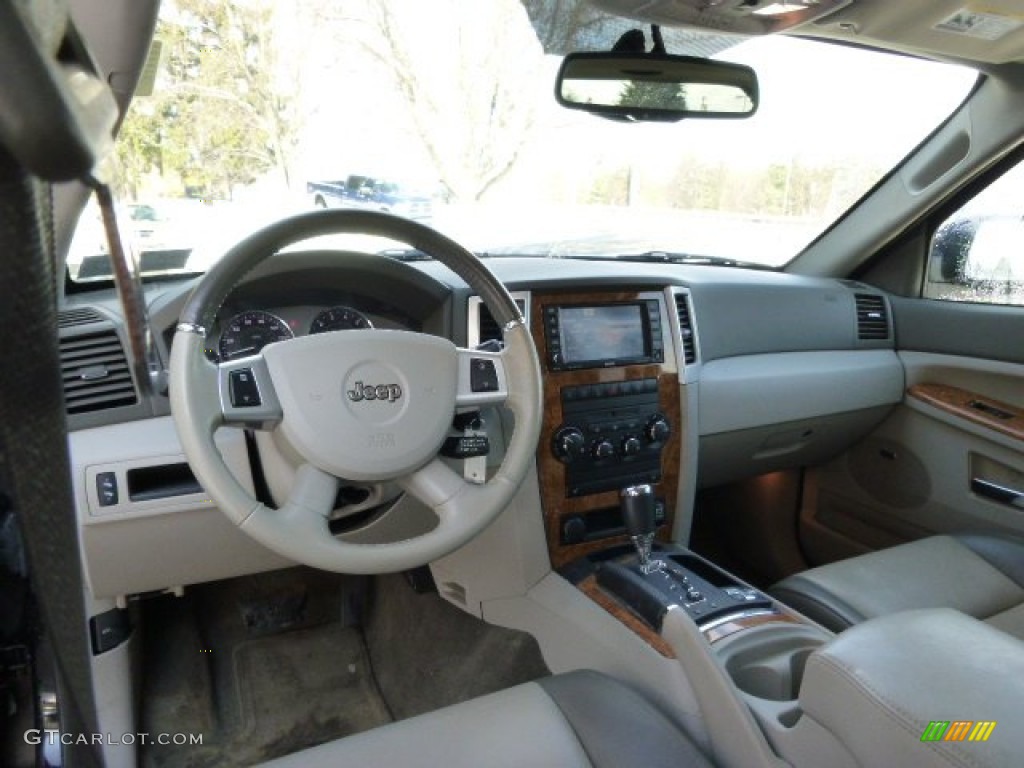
[(637, 503)]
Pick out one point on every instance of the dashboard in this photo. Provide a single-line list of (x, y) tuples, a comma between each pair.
[(678, 375)]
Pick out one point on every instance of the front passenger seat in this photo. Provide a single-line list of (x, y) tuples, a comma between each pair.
[(981, 575), (582, 719)]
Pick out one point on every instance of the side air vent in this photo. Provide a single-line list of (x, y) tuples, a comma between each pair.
[(686, 328), (872, 317), (72, 317), (95, 373)]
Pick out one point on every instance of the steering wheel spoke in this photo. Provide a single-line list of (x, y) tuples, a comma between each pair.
[(435, 484), (247, 394), (482, 378)]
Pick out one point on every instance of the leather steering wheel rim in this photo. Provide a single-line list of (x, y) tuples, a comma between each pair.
[(315, 384)]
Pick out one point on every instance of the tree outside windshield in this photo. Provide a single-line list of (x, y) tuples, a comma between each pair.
[(264, 109)]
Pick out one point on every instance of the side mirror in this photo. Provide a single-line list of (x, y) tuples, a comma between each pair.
[(982, 249), (950, 246), (641, 87)]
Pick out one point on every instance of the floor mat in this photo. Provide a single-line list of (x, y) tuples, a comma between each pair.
[(428, 654), (270, 664), (306, 687), (260, 667)]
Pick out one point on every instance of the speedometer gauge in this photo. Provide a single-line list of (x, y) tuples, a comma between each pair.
[(249, 332), (339, 319)]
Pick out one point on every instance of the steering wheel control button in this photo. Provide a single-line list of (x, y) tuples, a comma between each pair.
[(243, 389), (106, 489), (483, 377), (470, 420)]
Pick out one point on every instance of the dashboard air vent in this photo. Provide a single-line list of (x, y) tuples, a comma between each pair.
[(95, 373), (488, 326), (82, 316), (489, 330), (686, 328), (872, 317)]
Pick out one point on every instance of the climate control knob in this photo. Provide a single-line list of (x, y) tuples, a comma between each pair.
[(602, 448), (657, 429), (630, 445), (568, 444)]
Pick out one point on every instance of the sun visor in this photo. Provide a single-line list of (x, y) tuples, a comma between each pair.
[(57, 113), (732, 17), (977, 33)]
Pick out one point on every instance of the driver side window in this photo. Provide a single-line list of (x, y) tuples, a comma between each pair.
[(977, 254)]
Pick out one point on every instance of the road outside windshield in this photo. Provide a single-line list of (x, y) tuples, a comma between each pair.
[(444, 112)]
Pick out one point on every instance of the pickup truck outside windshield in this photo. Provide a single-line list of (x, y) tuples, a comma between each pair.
[(261, 110)]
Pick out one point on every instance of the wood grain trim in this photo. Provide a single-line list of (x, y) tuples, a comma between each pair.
[(958, 402), (552, 473), (721, 631), (592, 589)]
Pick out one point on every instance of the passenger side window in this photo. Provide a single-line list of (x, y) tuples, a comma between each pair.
[(977, 254)]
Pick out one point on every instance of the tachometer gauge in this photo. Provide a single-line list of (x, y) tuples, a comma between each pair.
[(249, 332), (339, 319)]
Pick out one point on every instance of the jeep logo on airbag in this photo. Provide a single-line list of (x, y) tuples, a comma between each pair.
[(360, 391)]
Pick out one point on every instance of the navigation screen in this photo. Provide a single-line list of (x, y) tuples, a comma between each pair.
[(611, 332)]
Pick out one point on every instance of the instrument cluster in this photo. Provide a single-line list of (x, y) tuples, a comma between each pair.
[(247, 332)]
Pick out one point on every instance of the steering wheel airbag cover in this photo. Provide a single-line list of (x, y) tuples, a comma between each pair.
[(365, 405)]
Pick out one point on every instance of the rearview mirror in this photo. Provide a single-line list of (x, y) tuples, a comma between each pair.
[(656, 87)]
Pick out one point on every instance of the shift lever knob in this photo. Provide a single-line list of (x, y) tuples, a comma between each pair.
[(637, 503)]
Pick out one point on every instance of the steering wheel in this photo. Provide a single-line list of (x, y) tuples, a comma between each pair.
[(362, 405)]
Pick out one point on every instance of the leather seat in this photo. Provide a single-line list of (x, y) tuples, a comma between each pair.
[(981, 575), (581, 719)]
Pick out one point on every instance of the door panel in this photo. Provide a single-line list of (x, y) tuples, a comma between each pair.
[(979, 332), (949, 458)]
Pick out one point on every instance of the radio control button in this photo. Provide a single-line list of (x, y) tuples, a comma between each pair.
[(568, 444), (658, 429), (630, 445), (603, 448), (574, 530)]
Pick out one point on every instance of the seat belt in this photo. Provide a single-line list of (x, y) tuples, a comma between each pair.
[(34, 464)]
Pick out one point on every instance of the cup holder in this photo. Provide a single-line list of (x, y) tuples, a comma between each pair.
[(769, 664)]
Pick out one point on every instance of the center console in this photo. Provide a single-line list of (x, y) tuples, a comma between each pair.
[(747, 652), (613, 421), (609, 462), (611, 414)]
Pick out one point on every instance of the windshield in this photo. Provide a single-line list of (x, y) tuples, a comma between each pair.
[(444, 112)]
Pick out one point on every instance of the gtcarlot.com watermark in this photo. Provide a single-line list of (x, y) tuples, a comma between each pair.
[(36, 736)]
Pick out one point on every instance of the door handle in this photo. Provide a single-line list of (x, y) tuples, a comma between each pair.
[(997, 492)]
